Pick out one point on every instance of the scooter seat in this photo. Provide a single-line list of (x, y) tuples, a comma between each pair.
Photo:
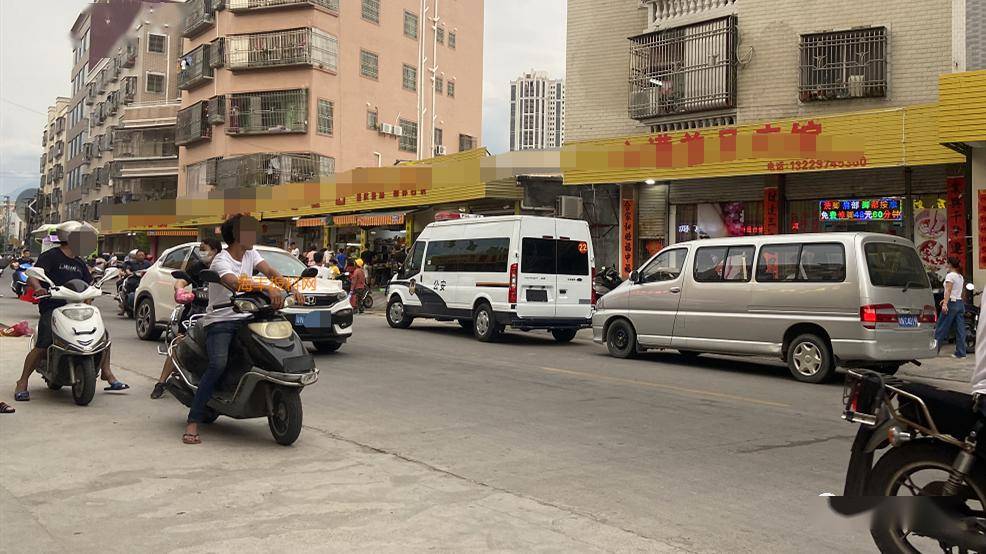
[(952, 411)]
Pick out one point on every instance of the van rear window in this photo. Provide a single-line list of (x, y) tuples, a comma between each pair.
[(895, 265), (554, 257)]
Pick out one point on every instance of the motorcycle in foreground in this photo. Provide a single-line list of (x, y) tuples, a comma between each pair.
[(79, 338), (267, 369), (933, 451)]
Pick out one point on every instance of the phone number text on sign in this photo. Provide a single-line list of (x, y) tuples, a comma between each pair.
[(815, 165)]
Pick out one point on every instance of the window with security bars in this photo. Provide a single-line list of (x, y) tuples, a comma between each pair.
[(269, 112), (372, 119), (410, 77), (451, 89), (684, 69), (325, 109), (308, 46), (156, 43), (369, 64), (843, 64), (451, 40), (466, 143), (409, 136), (439, 85), (410, 25), (440, 35), (371, 10)]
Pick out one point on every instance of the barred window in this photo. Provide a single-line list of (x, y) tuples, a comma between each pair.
[(843, 64), (269, 112), (154, 82), (372, 119), (451, 89), (439, 136), (306, 46), (371, 10), (439, 84), (409, 136), (326, 165), (410, 25), (156, 43), (451, 40), (410, 77), (325, 109), (369, 64), (440, 35), (466, 142)]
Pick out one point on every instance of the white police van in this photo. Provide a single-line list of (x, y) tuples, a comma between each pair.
[(489, 273)]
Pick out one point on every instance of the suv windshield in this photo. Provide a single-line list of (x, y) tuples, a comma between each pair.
[(895, 265), (282, 262)]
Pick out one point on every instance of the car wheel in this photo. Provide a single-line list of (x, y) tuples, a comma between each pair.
[(564, 335), (621, 339), (396, 314), (145, 322), (809, 359), (484, 325), (325, 346)]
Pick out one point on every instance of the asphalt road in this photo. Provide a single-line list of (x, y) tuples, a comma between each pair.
[(710, 455)]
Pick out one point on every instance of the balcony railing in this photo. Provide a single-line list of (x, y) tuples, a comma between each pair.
[(199, 16), (157, 143), (274, 112), (263, 170), (243, 5), (683, 70), (193, 125), (194, 68), (843, 64), (282, 48)]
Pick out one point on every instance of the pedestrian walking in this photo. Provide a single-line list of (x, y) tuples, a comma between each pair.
[(358, 286), (952, 310)]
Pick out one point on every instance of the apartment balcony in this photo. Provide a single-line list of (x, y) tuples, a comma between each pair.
[(683, 70), (145, 189), (128, 57), (137, 168), (149, 114), (199, 16), (129, 89), (195, 68), (249, 5), (266, 113), (145, 144), (311, 47), (193, 125), (265, 170)]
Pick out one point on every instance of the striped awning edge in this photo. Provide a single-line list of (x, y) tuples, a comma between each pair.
[(310, 222), (367, 220), (174, 233)]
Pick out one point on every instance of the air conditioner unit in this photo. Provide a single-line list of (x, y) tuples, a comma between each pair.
[(856, 86), (386, 128), (569, 207), (398, 131), (440, 150)]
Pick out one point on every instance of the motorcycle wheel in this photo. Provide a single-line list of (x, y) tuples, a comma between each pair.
[(368, 301), (895, 475), (286, 415), (84, 387)]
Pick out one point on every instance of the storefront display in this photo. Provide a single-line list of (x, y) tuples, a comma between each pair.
[(861, 211), (930, 220), (717, 220)]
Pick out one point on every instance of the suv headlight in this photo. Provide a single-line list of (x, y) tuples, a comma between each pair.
[(78, 314), (245, 306), (342, 296), (273, 330)]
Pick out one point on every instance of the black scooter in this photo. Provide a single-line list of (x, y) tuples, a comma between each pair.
[(126, 292), (267, 369)]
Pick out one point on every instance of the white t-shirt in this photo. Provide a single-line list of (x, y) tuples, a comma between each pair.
[(296, 252), (224, 264), (957, 285), (324, 272)]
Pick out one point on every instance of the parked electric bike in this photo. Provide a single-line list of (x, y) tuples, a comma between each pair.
[(933, 449), (607, 279), (971, 322), (126, 292), (268, 366), (79, 336)]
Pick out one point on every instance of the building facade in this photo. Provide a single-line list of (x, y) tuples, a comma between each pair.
[(50, 191), (287, 91), (537, 112), (698, 77)]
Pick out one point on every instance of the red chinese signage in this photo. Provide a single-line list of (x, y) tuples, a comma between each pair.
[(771, 214), (955, 198), (627, 235)]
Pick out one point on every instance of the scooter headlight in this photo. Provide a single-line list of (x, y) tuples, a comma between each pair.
[(272, 330), (78, 314), (245, 306)]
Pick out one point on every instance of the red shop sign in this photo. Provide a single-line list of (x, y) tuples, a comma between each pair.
[(955, 198)]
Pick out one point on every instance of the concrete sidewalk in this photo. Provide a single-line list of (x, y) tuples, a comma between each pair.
[(956, 372), (114, 477)]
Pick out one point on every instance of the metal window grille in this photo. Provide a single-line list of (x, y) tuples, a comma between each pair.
[(372, 119), (194, 68), (369, 64), (439, 85), (216, 110), (198, 16), (466, 142), (371, 10), (843, 64), (326, 165), (684, 69), (325, 109), (410, 25), (200, 176), (156, 43), (192, 124), (410, 77), (295, 47), (451, 89), (284, 111), (409, 136), (451, 40), (155, 83), (237, 5), (440, 35), (149, 143), (263, 170)]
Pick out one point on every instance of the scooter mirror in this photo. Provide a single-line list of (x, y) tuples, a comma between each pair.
[(970, 286), (110, 274), (38, 274), (209, 276), (181, 275), (309, 272)]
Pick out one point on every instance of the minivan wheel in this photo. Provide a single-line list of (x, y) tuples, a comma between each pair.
[(144, 321), (621, 339), (396, 314), (564, 335), (809, 359), (484, 325)]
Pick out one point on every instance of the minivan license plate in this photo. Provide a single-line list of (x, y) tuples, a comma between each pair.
[(908, 321)]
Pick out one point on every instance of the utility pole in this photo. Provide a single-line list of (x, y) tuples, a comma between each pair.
[(6, 221)]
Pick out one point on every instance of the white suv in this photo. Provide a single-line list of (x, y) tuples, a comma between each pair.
[(155, 299)]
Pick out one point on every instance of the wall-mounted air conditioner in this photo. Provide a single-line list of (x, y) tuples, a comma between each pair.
[(569, 207), (386, 128)]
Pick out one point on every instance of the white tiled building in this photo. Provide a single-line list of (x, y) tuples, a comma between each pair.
[(537, 112)]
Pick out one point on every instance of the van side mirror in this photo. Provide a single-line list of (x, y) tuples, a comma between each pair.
[(634, 277)]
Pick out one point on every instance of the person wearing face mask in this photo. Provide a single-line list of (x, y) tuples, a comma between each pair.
[(200, 262)]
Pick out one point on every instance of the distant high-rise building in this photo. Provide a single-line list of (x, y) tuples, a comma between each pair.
[(537, 112)]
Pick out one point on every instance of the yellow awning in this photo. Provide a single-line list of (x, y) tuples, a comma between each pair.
[(962, 107)]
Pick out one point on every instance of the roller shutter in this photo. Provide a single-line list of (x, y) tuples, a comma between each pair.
[(652, 211), (731, 189), (844, 184)]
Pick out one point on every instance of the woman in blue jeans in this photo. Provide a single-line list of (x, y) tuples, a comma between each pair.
[(952, 310)]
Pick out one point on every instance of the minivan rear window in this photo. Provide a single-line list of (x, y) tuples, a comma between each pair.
[(895, 265), (554, 257)]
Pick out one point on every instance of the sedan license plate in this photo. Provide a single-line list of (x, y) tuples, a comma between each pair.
[(907, 320), (318, 319)]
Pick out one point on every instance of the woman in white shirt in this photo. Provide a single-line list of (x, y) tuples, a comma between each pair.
[(952, 309)]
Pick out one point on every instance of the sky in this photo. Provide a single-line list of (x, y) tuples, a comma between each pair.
[(35, 61)]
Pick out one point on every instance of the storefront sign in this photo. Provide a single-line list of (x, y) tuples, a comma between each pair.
[(367, 220), (930, 222), (627, 232), (982, 229), (875, 209), (771, 215), (955, 197)]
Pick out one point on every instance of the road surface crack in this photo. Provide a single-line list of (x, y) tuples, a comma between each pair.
[(792, 444)]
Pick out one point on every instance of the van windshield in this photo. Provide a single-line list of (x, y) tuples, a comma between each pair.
[(554, 257), (895, 265)]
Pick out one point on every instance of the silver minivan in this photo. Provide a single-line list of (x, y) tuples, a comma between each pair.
[(816, 301)]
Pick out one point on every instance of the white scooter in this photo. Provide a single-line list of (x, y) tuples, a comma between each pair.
[(79, 337)]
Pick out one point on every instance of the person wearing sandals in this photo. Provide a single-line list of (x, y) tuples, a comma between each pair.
[(61, 265), (207, 251)]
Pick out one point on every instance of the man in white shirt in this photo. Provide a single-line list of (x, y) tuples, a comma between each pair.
[(235, 266)]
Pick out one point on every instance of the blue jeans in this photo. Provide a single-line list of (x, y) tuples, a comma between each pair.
[(218, 338), (954, 318)]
